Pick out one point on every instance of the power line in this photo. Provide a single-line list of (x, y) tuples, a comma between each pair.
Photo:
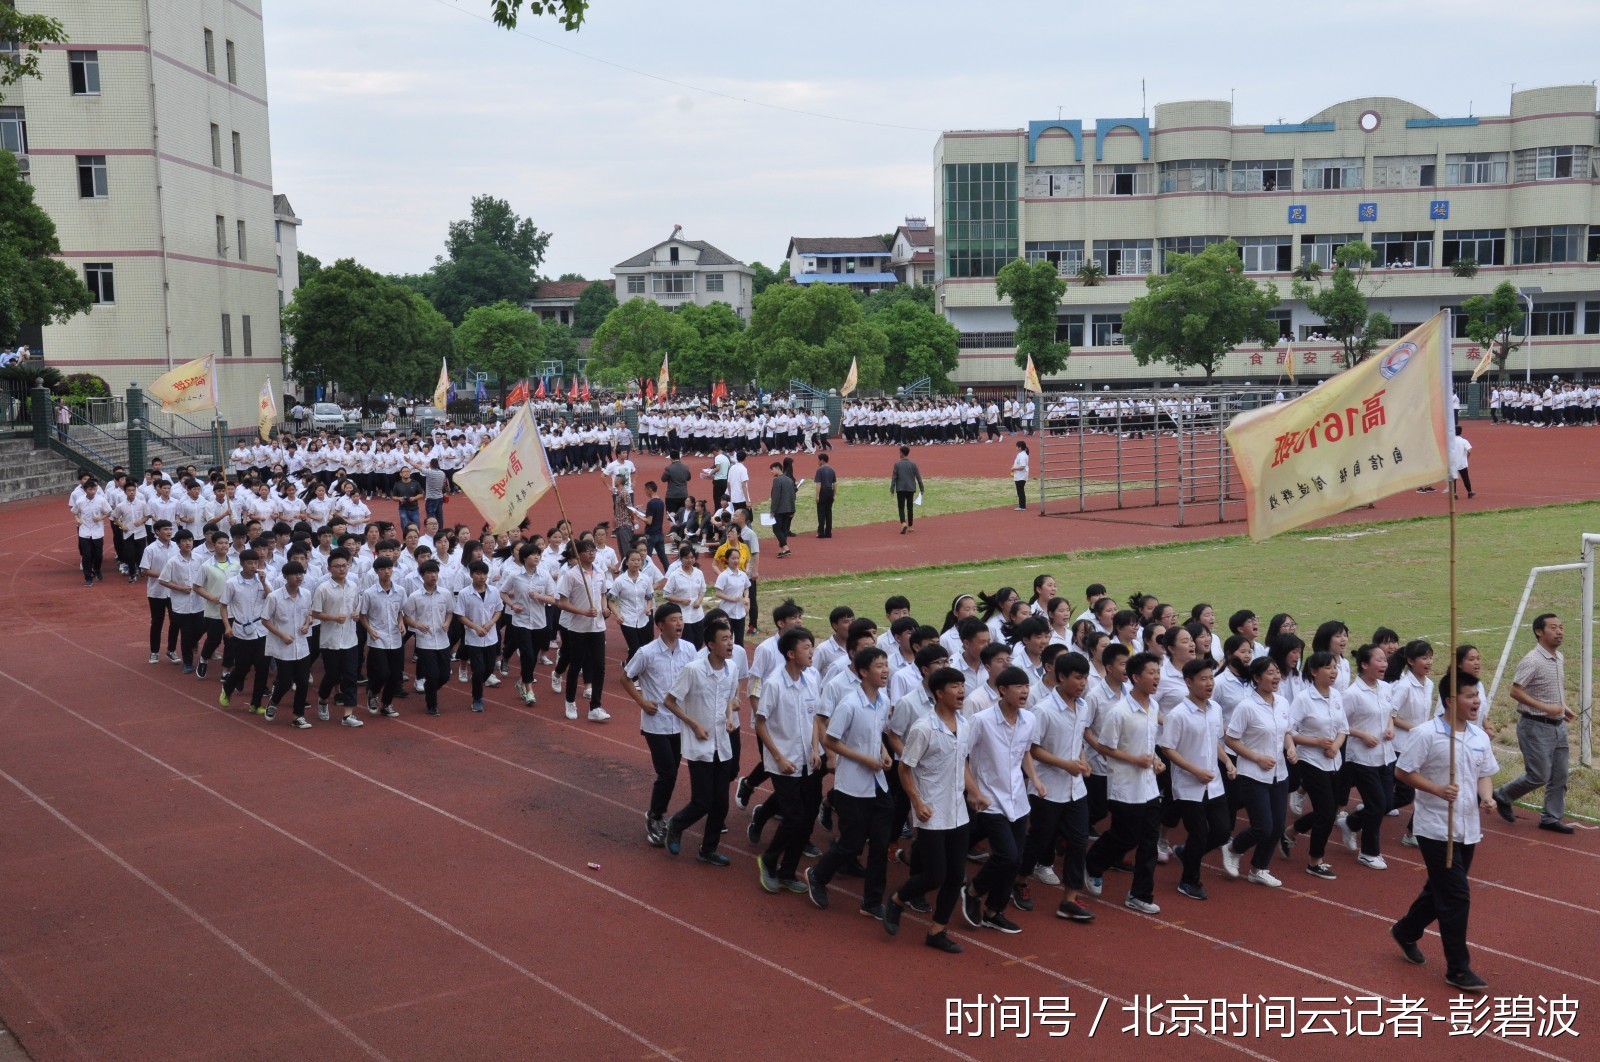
[(684, 84)]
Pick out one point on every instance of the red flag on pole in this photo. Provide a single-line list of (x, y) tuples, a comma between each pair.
[(573, 394), (541, 392), (587, 394), (650, 389)]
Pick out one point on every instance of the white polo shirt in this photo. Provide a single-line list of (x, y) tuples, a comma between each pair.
[(1366, 708), (1260, 728), (1128, 728), (1315, 716), (998, 747), (859, 723), (433, 611), (1060, 733), (937, 757), (789, 706), (655, 669), (337, 599), (705, 694), (1428, 754), (1194, 732)]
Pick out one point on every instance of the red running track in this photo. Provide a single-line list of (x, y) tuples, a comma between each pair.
[(184, 881)]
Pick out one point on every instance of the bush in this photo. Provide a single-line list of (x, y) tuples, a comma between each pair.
[(85, 385)]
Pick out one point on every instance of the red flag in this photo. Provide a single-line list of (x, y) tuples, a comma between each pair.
[(573, 394), (518, 393), (587, 394), (674, 390), (540, 393), (650, 389)]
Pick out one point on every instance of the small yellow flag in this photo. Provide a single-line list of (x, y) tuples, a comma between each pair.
[(190, 386), (1485, 361), (441, 390), (267, 416), (1030, 382), (849, 384), (664, 377), (1288, 361)]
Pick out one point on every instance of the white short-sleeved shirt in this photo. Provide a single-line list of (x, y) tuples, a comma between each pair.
[(789, 706), (288, 614), (1313, 715), (579, 590), (517, 586), (655, 669), (1366, 709), (635, 595), (937, 757), (479, 607), (688, 584), (245, 600), (189, 571), (1194, 732), (337, 599), (1411, 699), (998, 747), (433, 611), (1128, 728), (705, 694), (1428, 754), (859, 723), (1060, 733), (382, 611), (1260, 727)]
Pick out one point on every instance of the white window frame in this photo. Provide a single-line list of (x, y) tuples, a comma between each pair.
[(99, 278), (635, 284), (714, 282), (90, 62)]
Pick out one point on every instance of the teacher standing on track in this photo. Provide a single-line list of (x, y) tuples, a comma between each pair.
[(1019, 474), (905, 482)]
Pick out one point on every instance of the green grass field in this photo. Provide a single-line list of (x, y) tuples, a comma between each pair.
[(1368, 575), (868, 501)]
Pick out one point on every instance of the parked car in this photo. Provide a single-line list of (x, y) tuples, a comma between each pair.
[(327, 415)]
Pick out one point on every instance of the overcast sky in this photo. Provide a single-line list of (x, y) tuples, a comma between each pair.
[(389, 115)]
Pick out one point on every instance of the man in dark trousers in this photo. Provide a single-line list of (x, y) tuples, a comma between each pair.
[(675, 477), (782, 500), (905, 481), (827, 481)]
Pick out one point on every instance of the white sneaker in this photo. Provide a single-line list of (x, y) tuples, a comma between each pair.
[(1263, 877), (1045, 875), (572, 711), (1374, 862), (1409, 840), (1230, 861), (1297, 804), (1093, 885), (588, 691), (492, 680), (1163, 851), (322, 711), (349, 720), (174, 658), (1350, 841), (422, 685), (598, 715), (555, 683), (155, 658), (462, 674), (1394, 813), (1133, 903)]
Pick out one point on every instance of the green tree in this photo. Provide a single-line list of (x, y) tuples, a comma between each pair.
[(560, 344), (30, 33), (503, 339), (884, 298), (763, 278), (365, 333), (593, 306), (492, 221), (35, 287), (1492, 321), (632, 340), (310, 265), (1035, 292), (714, 354), (1197, 311), (569, 13), (482, 275), (811, 333), (920, 343), (1342, 304), (571, 277)]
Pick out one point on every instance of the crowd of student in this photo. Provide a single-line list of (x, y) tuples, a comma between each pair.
[(1550, 404), (1048, 748)]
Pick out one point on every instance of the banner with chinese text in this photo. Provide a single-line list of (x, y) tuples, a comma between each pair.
[(1372, 431), (508, 475), (190, 386)]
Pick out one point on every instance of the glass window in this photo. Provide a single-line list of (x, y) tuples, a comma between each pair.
[(244, 334), (672, 283), (1403, 171), (239, 228), (1055, 182), (216, 146), (14, 130), (84, 68), (100, 278), (238, 154), (1124, 258), (713, 281), (1332, 173), (1271, 175), (1069, 329), (227, 336), (1403, 250), (1487, 247), (1108, 330), (1475, 167), (222, 235), (211, 53), (1553, 163), (1591, 319), (1194, 175), (1547, 243), (1554, 318), (985, 340), (1123, 179), (1267, 254), (233, 63), (1184, 245), (981, 217), (927, 276), (1322, 248), (93, 180), (635, 285), (1284, 321), (1066, 254)]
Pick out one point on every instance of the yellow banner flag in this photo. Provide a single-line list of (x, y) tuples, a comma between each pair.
[(1288, 361), (849, 384), (1484, 362), (1030, 382), (1372, 431), (664, 377), (267, 414), (509, 475), (190, 386), (441, 390)]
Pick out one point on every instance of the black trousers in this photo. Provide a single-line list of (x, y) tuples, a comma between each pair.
[(1208, 824), (189, 628), (940, 859), (91, 555), (708, 799), (780, 528), (666, 752), (1445, 898), (528, 643), (903, 504), (636, 638), (1022, 493), (339, 669), (480, 659), (1134, 828), (385, 669), (160, 610), (1376, 786), (211, 628), (1050, 823), (1267, 806), (798, 797), (433, 667), (249, 655), (825, 513), (1318, 822), (1099, 806), (999, 872), (586, 657), (296, 675), (863, 825)]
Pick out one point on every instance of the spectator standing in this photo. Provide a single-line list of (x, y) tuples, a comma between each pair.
[(1019, 474), (783, 504), (1539, 689), (905, 482), (827, 481)]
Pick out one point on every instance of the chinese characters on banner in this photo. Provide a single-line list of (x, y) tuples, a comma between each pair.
[(190, 386), (1375, 430), (267, 411), (508, 475)]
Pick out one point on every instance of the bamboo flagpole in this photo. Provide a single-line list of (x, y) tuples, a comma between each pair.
[(1450, 660)]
